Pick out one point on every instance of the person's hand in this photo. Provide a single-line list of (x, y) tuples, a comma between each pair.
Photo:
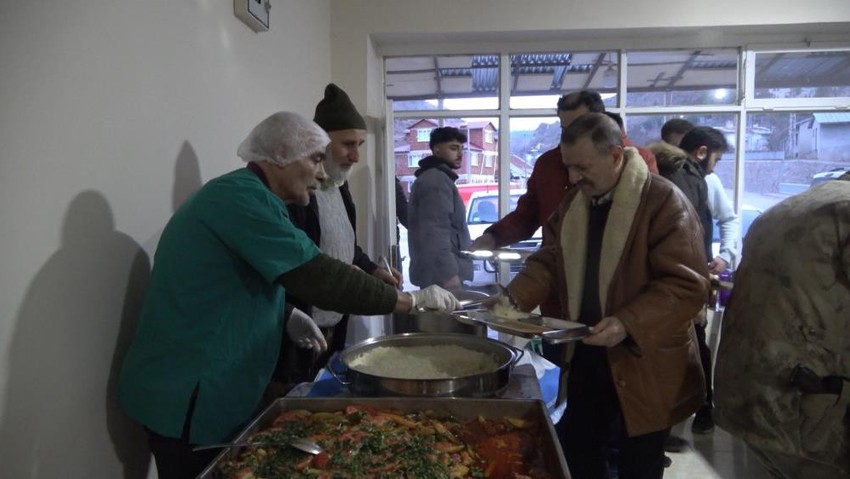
[(608, 332), (392, 277), (717, 265), (434, 297), (453, 283), (485, 242), (304, 332)]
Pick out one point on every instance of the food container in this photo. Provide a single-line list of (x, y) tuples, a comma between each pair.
[(487, 384), (527, 409), (528, 325), (440, 321)]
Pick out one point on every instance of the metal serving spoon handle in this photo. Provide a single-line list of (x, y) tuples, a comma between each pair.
[(302, 444)]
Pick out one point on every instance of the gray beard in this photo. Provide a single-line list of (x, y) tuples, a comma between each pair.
[(336, 176)]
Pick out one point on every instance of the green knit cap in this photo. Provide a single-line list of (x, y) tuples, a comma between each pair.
[(336, 112)]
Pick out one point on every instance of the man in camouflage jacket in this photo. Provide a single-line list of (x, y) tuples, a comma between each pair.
[(790, 312)]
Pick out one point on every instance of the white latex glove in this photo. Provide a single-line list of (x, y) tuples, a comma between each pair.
[(304, 332), (434, 297)]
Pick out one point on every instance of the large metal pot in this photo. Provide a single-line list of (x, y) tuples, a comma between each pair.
[(439, 321), (487, 384)]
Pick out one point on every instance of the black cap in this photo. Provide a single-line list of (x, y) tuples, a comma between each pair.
[(336, 112)]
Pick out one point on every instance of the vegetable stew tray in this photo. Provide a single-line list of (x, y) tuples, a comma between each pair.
[(530, 410)]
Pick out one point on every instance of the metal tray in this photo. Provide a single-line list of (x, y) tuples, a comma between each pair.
[(552, 330), (528, 409), (501, 255)]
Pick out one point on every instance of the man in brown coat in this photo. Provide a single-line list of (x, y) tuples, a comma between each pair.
[(625, 256)]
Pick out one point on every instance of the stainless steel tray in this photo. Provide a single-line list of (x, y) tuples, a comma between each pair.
[(528, 409), (501, 255), (552, 330)]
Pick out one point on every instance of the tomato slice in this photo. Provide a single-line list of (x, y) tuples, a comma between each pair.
[(321, 460)]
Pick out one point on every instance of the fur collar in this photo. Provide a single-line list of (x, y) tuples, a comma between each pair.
[(627, 198)]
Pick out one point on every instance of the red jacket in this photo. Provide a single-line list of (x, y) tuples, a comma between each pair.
[(545, 188), (645, 153)]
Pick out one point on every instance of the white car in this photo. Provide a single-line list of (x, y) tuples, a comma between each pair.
[(828, 175), (481, 212)]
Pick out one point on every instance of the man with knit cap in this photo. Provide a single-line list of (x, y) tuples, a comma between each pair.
[(329, 220)]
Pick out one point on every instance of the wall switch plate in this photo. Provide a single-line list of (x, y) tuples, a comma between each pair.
[(255, 13)]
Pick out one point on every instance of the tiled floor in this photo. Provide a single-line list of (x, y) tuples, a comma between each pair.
[(713, 455), (717, 454)]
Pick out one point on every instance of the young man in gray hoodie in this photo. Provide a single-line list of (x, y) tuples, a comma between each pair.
[(437, 216)]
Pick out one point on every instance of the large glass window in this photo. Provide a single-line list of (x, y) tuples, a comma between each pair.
[(789, 152), (796, 133), (815, 74), (443, 82), (538, 79), (682, 78), (530, 137)]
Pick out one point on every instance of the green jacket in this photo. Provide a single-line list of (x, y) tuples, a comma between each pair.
[(211, 317)]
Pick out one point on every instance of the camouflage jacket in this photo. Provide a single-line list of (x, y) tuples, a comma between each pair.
[(790, 305)]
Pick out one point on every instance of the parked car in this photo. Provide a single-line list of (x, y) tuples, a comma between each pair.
[(829, 175), (481, 212)]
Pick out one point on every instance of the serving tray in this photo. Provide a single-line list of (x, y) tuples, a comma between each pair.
[(551, 330), (502, 255), (528, 409)]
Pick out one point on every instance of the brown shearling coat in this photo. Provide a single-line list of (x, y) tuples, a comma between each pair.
[(652, 276)]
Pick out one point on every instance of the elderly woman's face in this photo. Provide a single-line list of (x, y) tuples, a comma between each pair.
[(297, 179)]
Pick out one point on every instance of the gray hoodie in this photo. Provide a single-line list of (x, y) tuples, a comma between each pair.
[(437, 226)]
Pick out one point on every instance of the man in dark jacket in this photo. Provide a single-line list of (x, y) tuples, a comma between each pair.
[(329, 220), (437, 216), (673, 130), (686, 167)]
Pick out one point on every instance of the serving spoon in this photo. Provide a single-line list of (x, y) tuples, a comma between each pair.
[(302, 444)]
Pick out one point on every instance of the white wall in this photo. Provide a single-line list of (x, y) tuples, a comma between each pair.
[(111, 113), (363, 30)]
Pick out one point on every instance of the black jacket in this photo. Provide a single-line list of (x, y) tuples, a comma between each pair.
[(690, 178)]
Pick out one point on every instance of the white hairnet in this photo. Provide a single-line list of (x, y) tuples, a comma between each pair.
[(283, 138)]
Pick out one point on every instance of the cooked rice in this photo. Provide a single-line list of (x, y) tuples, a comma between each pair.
[(423, 362), (506, 311)]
